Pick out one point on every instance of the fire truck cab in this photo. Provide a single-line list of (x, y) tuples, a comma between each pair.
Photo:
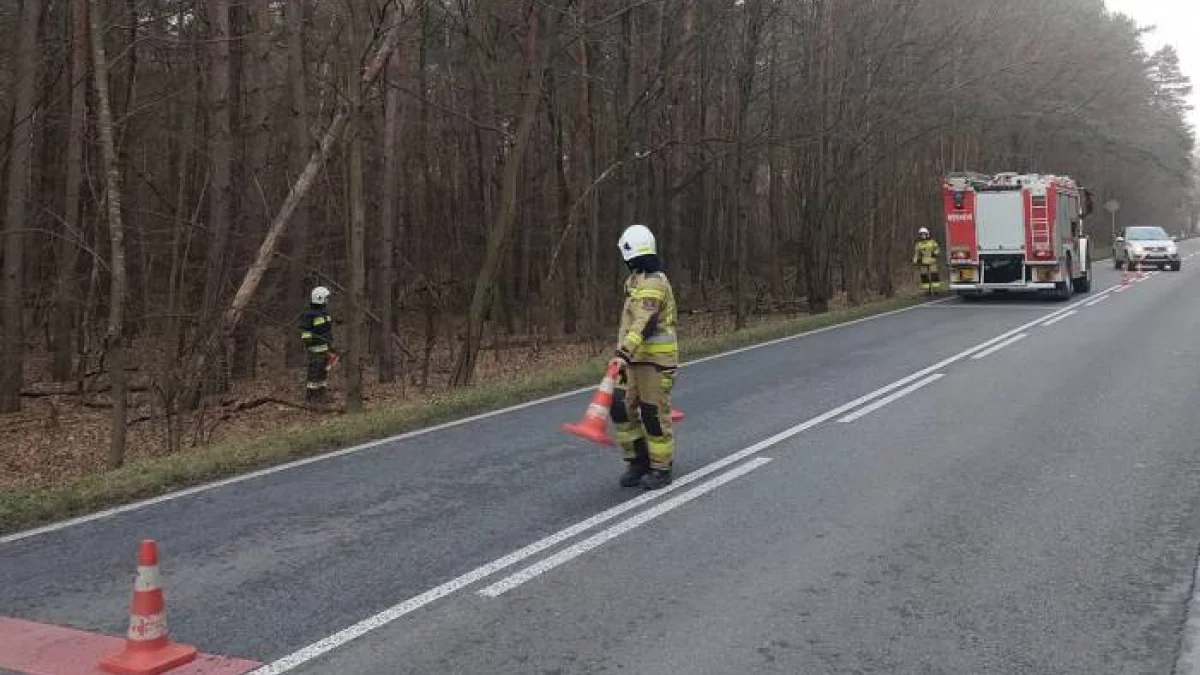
[(1016, 232)]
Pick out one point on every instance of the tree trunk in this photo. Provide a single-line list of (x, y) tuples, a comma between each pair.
[(12, 333), (356, 241), (301, 146), (220, 148), (499, 236), (67, 295), (254, 191), (114, 338), (744, 171), (386, 273)]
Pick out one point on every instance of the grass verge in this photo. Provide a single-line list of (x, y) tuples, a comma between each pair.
[(150, 477)]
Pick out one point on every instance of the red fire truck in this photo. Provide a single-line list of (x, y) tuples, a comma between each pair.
[(1017, 232)]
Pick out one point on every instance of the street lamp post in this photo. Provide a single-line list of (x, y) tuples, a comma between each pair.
[(1112, 206)]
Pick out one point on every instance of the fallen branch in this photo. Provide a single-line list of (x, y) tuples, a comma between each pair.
[(73, 390), (258, 401)]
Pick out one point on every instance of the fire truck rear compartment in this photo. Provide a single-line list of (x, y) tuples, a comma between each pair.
[(1003, 268)]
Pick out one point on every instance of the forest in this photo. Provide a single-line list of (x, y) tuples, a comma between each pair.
[(176, 175)]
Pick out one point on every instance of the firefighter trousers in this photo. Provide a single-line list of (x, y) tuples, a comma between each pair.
[(931, 278), (318, 371), (641, 412)]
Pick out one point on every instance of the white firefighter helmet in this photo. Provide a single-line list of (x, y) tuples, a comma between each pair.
[(636, 240), (923, 232), (319, 295)]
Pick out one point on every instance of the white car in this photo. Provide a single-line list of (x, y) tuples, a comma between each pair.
[(1145, 245)]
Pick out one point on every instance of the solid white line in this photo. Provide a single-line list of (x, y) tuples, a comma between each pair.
[(387, 616), (1060, 317), (995, 348), (170, 496), (575, 550), (983, 306), (1093, 303), (867, 410), (1188, 662)]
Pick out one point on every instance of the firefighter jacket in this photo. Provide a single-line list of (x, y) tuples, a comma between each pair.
[(647, 332), (926, 253), (316, 329)]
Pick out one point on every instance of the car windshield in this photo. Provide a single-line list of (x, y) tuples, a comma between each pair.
[(1146, 233)]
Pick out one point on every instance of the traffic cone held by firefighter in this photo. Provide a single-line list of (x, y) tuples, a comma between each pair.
[(148, 649), (594, 425)]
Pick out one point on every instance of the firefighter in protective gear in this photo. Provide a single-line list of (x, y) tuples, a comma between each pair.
[(316, 331), (926, 255), (648, 357)]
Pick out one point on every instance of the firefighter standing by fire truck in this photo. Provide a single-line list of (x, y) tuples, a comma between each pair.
[(648, 356), (926, 255)]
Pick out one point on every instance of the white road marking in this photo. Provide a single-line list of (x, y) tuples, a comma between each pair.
[(1060, 317), (867, 410), (321, 647), (995, 348), (170, 496), (1188, 662), (981, 306), (575, 550), (1096, 301)]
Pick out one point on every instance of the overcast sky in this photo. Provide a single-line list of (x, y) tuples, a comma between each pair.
[(1175, 22)]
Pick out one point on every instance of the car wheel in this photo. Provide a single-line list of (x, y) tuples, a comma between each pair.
[(1116, 263), (1175, 266)]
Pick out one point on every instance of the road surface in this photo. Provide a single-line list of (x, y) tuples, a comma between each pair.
[(997, 487)]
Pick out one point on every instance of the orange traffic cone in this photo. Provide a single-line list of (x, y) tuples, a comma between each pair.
[(148, 650), (594, 425)]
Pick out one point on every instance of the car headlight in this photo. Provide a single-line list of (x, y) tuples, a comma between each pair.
[(1136, 248), (1172, 249)]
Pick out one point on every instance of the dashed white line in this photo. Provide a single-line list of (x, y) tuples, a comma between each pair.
[(575, 550), (1096, 301), (995, 348), (1060, 317), (867, 410)]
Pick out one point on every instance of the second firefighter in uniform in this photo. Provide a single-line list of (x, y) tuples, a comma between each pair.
[(648, 356), (925, 255)]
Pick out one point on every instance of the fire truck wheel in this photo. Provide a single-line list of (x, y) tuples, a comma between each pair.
[(1084, 284), (1065, 289)]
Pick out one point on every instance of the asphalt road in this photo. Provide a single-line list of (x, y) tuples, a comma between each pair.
[(868, 499)]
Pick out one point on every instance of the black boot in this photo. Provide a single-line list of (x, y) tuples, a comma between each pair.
[(638, 466), (634, 472), (656, 479)]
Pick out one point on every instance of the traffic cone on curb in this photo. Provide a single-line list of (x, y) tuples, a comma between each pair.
[(594, 424), (148, 650)]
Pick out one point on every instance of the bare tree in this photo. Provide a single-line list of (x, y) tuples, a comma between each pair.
[(114, 337), (12, 332)]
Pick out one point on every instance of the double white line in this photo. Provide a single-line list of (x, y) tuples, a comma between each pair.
[(907, 384)]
